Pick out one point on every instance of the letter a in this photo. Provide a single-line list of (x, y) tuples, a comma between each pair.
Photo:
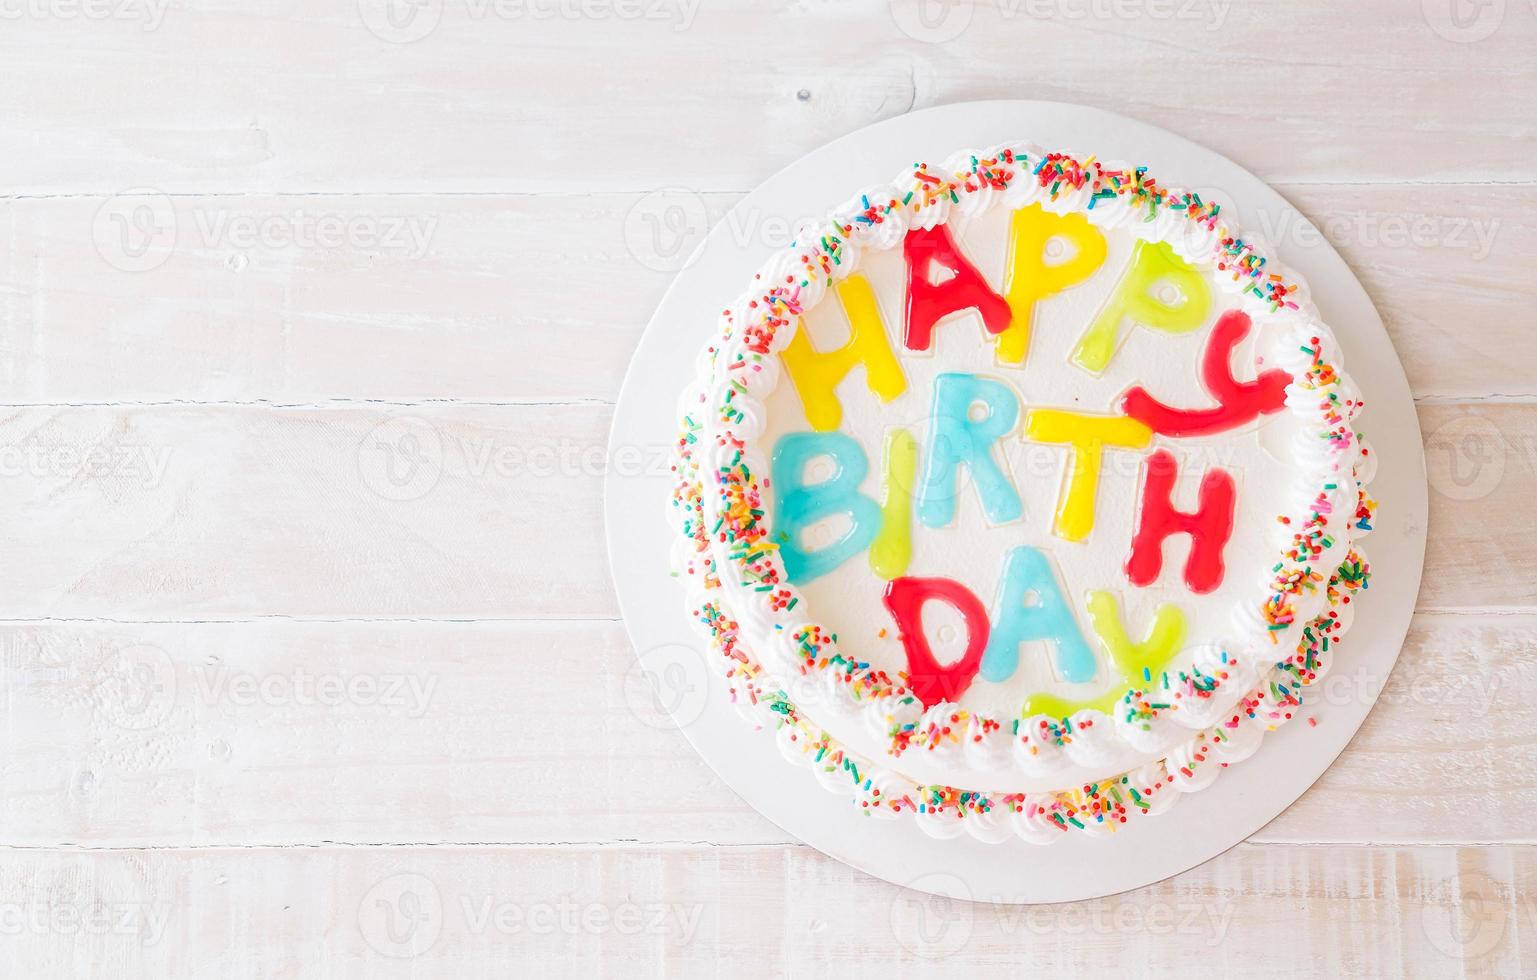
[(1027, 575), (929, 302)]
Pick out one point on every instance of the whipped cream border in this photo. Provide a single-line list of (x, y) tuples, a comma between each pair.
[(756, 618)]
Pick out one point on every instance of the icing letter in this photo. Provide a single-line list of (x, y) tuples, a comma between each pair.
[(954, 438), (1209, 526), (1134, 299), (929, 302), (1237, 401), (1031, 279), (1136, 660), (817, 374), (798, 506), (930, 682), (1027, 574), (893, 546), (1088, 435)]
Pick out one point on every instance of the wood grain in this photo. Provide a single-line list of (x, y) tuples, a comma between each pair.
[(747, 912), (177, 512), (514, 298), (716, 96)]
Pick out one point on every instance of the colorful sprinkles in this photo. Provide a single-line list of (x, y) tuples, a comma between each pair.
[(740, 531)]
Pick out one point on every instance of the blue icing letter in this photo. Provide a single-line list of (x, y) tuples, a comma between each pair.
[(1027, 574), (797, 505), (956, 438)]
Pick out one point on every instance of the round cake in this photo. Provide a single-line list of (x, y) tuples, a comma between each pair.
[(1021, 496)]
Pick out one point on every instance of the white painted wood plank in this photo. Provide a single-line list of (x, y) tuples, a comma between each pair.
[(239, 734), (210, 512), (1442, 755), (481, 298), (514, 298), (1481, 463), (194, 512), (717, 95), (282, 733), (735, 912)]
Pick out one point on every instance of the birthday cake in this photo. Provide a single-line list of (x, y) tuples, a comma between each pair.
[(1021, 496)]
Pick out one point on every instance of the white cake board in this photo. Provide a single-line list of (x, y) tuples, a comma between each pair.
[(1202, 825)]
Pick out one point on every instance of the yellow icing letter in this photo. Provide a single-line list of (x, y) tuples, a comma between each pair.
[(892, 548), (1088, 435), (817, 374), (1032, 278), (1136, 661), (1139, 297)]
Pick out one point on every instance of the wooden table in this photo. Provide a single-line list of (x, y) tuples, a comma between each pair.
[(310, 324)]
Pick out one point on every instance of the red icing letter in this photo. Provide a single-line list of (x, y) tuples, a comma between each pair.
[(930, 682), (1209, 527), (1237, 401), (965, 289)]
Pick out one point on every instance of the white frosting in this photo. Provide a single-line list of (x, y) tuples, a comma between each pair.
[(1284, 465)]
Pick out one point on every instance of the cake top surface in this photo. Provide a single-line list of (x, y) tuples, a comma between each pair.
[(1021, 473)]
